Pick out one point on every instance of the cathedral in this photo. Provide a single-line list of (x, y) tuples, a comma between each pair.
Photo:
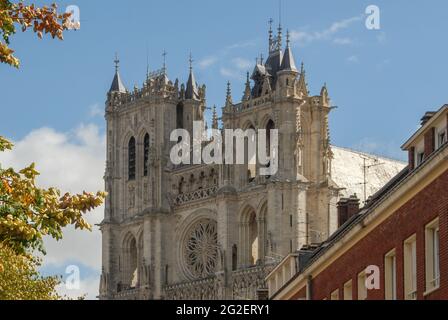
[(214, 231)]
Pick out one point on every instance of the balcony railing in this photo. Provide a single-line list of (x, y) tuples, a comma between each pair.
[(195, 195), (207, 288)]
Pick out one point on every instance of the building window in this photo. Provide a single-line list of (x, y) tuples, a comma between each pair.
[(348, 290), (390, 275), (234, 257), (362, 289), (432, 256), (131, 159), (410, 268), (441, 139), (250, 154), (180, 116), (335, 295), (146, 155), (420, 158)]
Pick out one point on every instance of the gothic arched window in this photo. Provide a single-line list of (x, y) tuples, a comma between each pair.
[(131, 159), (250, 153), (180, 116), (269, 126), (146, 155)]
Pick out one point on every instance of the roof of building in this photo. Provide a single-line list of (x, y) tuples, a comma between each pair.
[(347, 171), (366, 211), (191, 92), (117, 84), (288, 62), (425, 125)]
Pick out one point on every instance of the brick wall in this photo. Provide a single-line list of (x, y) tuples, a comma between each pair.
[(411, 154), (408, 220), (430, 141)]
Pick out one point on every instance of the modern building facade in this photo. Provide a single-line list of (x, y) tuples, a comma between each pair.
[(395, 248), (215, 231)]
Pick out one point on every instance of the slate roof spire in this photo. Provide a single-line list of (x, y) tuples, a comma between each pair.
[(215, 124), (288, 62), (117, 84), (191, 91)]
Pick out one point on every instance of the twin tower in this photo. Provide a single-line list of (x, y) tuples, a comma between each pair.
[(213, 231)]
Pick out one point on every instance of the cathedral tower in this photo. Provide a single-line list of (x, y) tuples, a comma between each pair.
[(213, 231)]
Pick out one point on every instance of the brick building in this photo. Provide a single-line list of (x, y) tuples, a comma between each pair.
[(395, 248)]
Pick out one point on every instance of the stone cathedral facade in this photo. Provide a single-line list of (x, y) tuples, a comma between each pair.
[(214, 231)]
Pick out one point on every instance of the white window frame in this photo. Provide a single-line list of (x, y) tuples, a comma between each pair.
[(419, 157), (335, 295), (362, 288), (348, 290), (390, 275), (410, 268), (441, 138), (432, 256)]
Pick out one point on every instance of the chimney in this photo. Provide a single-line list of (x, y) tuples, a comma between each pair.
[(428, 115), (347, 208), (411, 157)]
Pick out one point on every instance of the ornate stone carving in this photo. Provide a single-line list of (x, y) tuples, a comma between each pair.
[(200, 249)]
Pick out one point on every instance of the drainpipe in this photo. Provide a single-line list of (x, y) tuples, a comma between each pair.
[(309, 287)]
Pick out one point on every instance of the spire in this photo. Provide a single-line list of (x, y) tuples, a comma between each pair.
[(229, 102), (214, 118), (271, 38), (191, 91), (117, 84), (279, 36), (164, 54), (324, 94), (288, 62), (247, 90), (302, 86), (147, 63)]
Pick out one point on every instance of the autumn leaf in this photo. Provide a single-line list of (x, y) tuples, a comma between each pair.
[(45, 20)]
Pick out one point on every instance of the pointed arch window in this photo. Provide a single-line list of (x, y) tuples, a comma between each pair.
[(269, 126), (146, 155), (131, 159), (180, 116)]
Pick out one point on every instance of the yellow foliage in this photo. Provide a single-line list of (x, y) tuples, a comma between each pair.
[(20, 280), (41, 20), (27, 214)]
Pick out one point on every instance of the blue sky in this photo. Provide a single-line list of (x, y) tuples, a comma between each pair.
[(382, 81)]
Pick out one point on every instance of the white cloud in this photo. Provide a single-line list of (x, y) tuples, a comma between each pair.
[(381, 38), (230, 73), (88, 287), (95, 110), (207, 62), (241, 63), (304, 37), (383, 64), (353, 59), (72, 161), (342, 41), (239, 45)]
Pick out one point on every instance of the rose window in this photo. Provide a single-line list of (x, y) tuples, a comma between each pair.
[(201, 248)]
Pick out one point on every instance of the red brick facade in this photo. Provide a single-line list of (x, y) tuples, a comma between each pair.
[(407, 216), (430, 142), (410, 219)]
